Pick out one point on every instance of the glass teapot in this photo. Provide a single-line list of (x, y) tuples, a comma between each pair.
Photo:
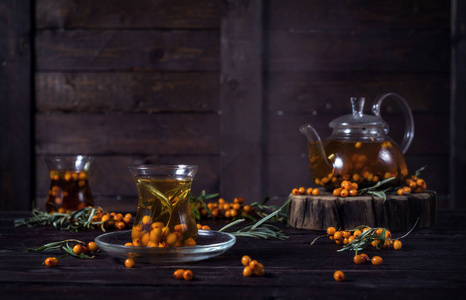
[(359, 148)]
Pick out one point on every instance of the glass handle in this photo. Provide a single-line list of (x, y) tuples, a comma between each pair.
[(409, 121)]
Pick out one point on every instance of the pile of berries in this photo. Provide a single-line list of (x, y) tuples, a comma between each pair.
[(303, 191), (157, 234), (347, 236), (113, 220), (252, 267), (225, 210), (413, 185), (348, 188)]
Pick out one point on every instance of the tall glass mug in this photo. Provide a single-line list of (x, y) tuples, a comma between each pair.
[(69, 183), (164, 217)]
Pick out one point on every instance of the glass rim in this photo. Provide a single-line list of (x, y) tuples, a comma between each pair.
[(162, 167), (69, 157)]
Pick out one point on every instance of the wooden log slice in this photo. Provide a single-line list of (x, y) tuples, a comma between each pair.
[(397, 213)]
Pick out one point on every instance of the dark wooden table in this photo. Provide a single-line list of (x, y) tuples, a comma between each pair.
[(431, 265)]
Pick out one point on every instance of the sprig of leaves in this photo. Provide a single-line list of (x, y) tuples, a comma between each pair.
[(368, 236), (63, 246), (378, 189), (198, 201), (73, 221), (260, 228)]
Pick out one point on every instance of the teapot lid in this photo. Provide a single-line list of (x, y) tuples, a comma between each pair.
[(358, 119)]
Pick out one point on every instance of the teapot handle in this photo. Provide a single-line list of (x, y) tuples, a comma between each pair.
[(409, 128)]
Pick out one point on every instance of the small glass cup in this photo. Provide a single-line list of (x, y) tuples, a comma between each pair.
[(164, 217), (69, 183)]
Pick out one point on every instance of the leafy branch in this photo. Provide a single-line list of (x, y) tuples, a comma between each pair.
[(260, 228), (74, 221)]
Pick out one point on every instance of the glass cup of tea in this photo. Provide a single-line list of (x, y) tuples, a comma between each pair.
[(164, 217), (69, 183)]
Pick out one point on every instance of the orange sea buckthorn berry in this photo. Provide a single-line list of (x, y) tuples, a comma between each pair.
[(92, 246), (129, 244), (137, 242), (245, 260), (344, 193), (350, 239), (120, 225), (51, 262), (309, 191), (199, 226), (129, 263), (247, 271), (345, 241), (377, 260), (346, 234), (356, 233), (365, 256), (365, 229), (400, 192), (86, 250), (379, 231), (190, 242), (420, 182), (331, 230), (407, 190), (354, 186), (315, 192), (359, 260), (146, 220), (388, 234), (259, 270), (397, 245), (338, 235), (247, 208), (336, 192), (253, 264), (353, 192), (236, 206), (188, 275), (302, 190), (78, 249), (375, 243), (178, 274), (339, 275), (206, 227), (343, 184)]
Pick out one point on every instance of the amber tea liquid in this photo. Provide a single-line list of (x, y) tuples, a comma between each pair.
[(69, 191), (164, 217), (362, 162)]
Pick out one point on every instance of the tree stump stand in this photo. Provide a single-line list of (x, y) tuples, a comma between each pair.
[(397, 213)]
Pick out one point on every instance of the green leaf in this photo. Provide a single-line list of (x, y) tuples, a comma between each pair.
[(158, 194)]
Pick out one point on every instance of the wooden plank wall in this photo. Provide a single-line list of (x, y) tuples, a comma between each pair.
[(321, 53), (144, 81), (16, 163), (129, 83)]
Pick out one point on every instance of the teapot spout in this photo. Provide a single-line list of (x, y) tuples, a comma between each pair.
[(310, 133), (321, 166)]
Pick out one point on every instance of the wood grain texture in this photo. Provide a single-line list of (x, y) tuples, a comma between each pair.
[(127, 92), (16, 163), (358, 15), (458, 94), (102, 50), (329, 92), (241, 100), (127, 14), (293, 267), (397, 213), (359, 51), (127, 134)]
